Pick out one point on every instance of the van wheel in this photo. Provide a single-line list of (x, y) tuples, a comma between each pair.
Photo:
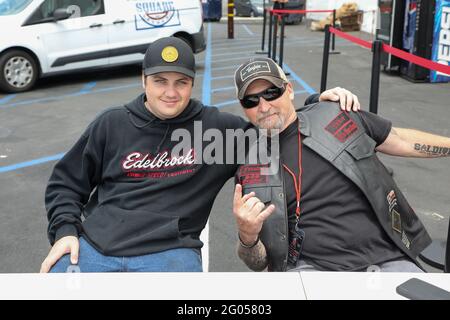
[(185, 39), (18, 71)]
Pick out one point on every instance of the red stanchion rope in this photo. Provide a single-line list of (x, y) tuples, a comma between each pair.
[(386, 48), (351, 38), (417, 60), (396, 52)]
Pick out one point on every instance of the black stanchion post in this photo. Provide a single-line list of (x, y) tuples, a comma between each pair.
[(281, 41), (377, 47), (263, 40), (333, 43), (283, 22), (274, 38), (375, 81), (333, 37), (269, 51), (326, 53)]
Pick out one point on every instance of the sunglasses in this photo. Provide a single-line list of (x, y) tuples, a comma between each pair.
[(270, 94)]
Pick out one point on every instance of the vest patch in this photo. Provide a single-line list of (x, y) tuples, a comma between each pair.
[(342, 127), (251, 174), (396, 221), (405, 240)]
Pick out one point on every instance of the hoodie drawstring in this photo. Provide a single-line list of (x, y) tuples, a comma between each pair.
[(163, 139), (146, 125), (138, 126)]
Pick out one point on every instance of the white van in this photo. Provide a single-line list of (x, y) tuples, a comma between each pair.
[(47, 37)]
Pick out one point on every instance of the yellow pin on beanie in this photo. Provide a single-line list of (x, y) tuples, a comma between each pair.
[(169, 54)]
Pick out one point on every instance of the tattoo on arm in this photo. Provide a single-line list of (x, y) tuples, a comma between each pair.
[(255, 258), (434, 151)]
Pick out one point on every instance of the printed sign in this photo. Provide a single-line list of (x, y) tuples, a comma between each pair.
[(441, 39), (155, 14)]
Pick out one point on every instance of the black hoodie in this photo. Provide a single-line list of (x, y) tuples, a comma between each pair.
[(135, 198)]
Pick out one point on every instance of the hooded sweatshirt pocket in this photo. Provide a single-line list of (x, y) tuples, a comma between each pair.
[(114, 229)]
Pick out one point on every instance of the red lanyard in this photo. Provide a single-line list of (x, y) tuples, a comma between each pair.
[(297, 184)]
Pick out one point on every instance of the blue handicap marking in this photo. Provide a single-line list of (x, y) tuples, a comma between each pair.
[(7, 98)]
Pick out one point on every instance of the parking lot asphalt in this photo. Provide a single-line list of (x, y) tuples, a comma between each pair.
[(38, 127)]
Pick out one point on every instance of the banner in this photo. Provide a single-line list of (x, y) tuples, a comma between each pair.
[(441, 39)]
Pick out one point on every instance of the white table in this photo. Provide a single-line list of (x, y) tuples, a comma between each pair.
[(211, 286), (158, 286)]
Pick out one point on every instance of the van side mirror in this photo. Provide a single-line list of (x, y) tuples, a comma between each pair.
[(61, 14)]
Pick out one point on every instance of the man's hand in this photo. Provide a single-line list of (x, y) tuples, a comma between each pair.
[(61, 247), (347, 100), (250, 215)]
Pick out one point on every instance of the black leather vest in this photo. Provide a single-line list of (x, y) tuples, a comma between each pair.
[(339, 138)]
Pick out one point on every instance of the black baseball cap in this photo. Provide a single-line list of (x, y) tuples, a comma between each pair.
[(169, 54), (258, 68)]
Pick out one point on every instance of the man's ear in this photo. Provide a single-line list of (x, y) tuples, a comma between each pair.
[(290, 90), (143, 81)]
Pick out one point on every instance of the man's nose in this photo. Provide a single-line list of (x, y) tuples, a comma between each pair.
[(171, 91), (263, 105)]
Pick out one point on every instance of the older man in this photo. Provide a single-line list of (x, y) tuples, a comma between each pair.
[(332, 206)]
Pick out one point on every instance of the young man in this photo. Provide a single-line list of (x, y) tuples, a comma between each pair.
[(332, 205), (144, 207)]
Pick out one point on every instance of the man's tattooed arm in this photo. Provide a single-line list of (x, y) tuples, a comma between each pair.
[(432, 151), (255, 257), (413, 143)]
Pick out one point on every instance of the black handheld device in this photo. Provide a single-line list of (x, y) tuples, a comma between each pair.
[(416, 289)]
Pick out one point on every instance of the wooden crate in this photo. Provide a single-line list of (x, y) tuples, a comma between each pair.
[(351, 21)]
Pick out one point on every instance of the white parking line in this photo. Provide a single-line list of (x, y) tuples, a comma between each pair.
[(250, 32)]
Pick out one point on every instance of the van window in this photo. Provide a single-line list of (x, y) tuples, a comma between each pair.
[(9, 7), (83, 8), (80, 8)]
